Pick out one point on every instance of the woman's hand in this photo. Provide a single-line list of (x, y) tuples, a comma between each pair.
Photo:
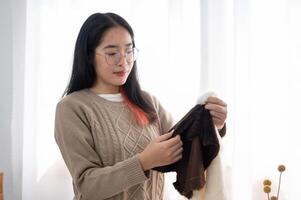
[(218, 111), (163, 150)]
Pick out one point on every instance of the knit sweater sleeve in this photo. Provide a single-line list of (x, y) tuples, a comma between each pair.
[(93, 180)]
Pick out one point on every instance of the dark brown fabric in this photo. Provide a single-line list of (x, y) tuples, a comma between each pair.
[(200, 147), (222, 132)]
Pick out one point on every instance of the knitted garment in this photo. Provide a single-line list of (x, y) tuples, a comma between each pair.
[(100, 142), (200, 147)]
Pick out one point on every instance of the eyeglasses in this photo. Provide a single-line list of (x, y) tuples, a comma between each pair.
[(113, 57)]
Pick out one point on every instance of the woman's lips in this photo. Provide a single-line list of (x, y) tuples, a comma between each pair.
[(120, 74)]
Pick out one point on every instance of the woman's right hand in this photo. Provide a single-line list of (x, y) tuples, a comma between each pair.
[(163, 150)]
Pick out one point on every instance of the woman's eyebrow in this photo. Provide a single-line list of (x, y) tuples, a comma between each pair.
[(129, 44), (110, 46), (117, 46)]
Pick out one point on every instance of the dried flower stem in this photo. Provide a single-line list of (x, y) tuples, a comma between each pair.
[(279, 185), (268, 196)]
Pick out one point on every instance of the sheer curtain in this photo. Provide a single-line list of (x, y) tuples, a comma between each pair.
[(251, 54), (167, 34)]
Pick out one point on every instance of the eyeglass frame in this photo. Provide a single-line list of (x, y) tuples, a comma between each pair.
[(135, 52)]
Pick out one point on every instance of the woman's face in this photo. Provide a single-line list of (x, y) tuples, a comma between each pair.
[(113, 60)]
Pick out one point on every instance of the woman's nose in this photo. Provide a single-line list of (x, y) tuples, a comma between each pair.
[(123, 60)]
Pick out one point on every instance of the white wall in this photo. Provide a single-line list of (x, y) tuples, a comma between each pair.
[(6, 78), (12, 48)]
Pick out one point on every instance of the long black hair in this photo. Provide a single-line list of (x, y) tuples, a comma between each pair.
[(83, 70)]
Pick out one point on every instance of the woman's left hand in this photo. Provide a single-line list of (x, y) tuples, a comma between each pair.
[(218, 111)]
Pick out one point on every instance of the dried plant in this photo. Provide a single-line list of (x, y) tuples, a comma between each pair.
[(267, 184)]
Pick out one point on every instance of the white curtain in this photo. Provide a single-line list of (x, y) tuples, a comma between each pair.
[(167, 34), (247, 51), (251, 54)]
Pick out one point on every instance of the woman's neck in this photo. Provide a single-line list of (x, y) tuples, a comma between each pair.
[(103, 90)]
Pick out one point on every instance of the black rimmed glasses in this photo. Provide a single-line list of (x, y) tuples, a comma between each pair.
[(113, 57)]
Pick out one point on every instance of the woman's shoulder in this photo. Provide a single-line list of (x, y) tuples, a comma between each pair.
[(75, 100)]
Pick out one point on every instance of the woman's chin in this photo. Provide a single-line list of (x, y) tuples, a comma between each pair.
[(119, 83)]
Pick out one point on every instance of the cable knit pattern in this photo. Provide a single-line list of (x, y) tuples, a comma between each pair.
[(100, 142)]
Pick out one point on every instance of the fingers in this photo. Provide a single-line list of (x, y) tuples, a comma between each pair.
[(164, 137), (178, 152), (175, 152), (163, 150), (218, 115), (215, 100), (218, 122), (216, 108), (176, 147), (172, 142), (218, 111), (178, 158)]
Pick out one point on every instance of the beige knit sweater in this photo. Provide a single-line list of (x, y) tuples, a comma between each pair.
[(100, 142)]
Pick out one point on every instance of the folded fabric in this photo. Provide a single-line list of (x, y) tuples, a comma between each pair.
[(200, 147)]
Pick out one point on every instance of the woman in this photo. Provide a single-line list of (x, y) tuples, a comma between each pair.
[(110, 133)]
